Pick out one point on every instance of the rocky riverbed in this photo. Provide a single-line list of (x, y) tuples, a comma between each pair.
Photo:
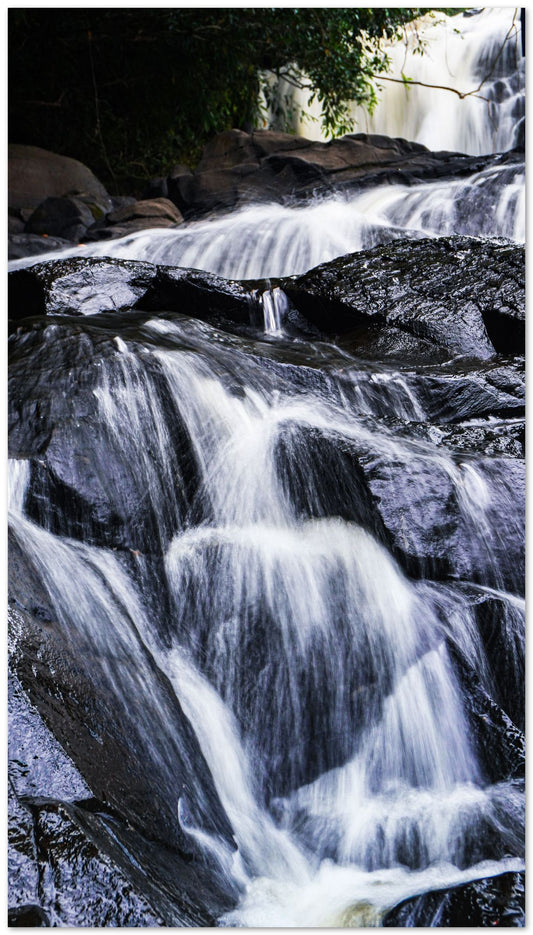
[(417, 348)]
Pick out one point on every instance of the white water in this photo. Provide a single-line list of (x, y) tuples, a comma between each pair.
[(315, 674), (459, 52), (272, 240), (275, 306)]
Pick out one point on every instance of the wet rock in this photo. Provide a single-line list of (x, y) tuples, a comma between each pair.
[(77, 286), (303, 456), (503, 498), (500, 620), (72, 860), (417, 502), (401, 300), (27, 916), (22, 245), (445, 290), (498, 742), (495, 901), (196, 293), (506, 438), (80, 885), (87, 481), (375, 343), (22, 863), (454, 395), (58, 668)]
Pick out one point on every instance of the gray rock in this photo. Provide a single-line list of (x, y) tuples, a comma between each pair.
[(66, 217), (35, 174), (77, 286)]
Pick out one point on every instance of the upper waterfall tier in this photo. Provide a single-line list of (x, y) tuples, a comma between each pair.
[(465, 92)]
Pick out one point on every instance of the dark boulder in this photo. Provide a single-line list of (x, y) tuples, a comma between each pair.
[(444, 290), (195, 293), (153, 208), (499, 744), (35, 174), (73, 860), (500, 621), (66, 217), (88, 478), (77, 286), (135, 216), (417, 503), (59, 666), (23, 245), (461, 391)]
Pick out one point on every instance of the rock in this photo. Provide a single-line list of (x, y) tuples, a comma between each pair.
[(399, 300), (35, 174), (461, 391), (154, 208), (494, 901), (28, 916), (303, 455), (133, 216), (507, 438), (500, 621), (237, 167), (99, 728), (77, 286), (71, 858), (15, 223), (63, 217), (417, 503), (443, 290), (23, 245), (156, 188), (497, 741), (195, 293), (81, 885), (503, 499), (56, 421)]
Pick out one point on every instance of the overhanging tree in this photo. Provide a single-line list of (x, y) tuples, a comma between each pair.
[(133, 91)]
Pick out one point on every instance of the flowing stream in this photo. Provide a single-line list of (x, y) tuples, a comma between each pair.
[(317, 675)]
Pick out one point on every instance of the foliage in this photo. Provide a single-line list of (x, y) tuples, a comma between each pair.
[(133, 91)]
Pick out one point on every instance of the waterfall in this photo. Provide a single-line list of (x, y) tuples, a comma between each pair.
[(477, 50), (315, 673), (274, 304), (299, 602)]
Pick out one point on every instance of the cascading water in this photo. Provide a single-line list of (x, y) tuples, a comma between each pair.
[(266, 241), (478, 54), (253, 568), (315, 674)]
